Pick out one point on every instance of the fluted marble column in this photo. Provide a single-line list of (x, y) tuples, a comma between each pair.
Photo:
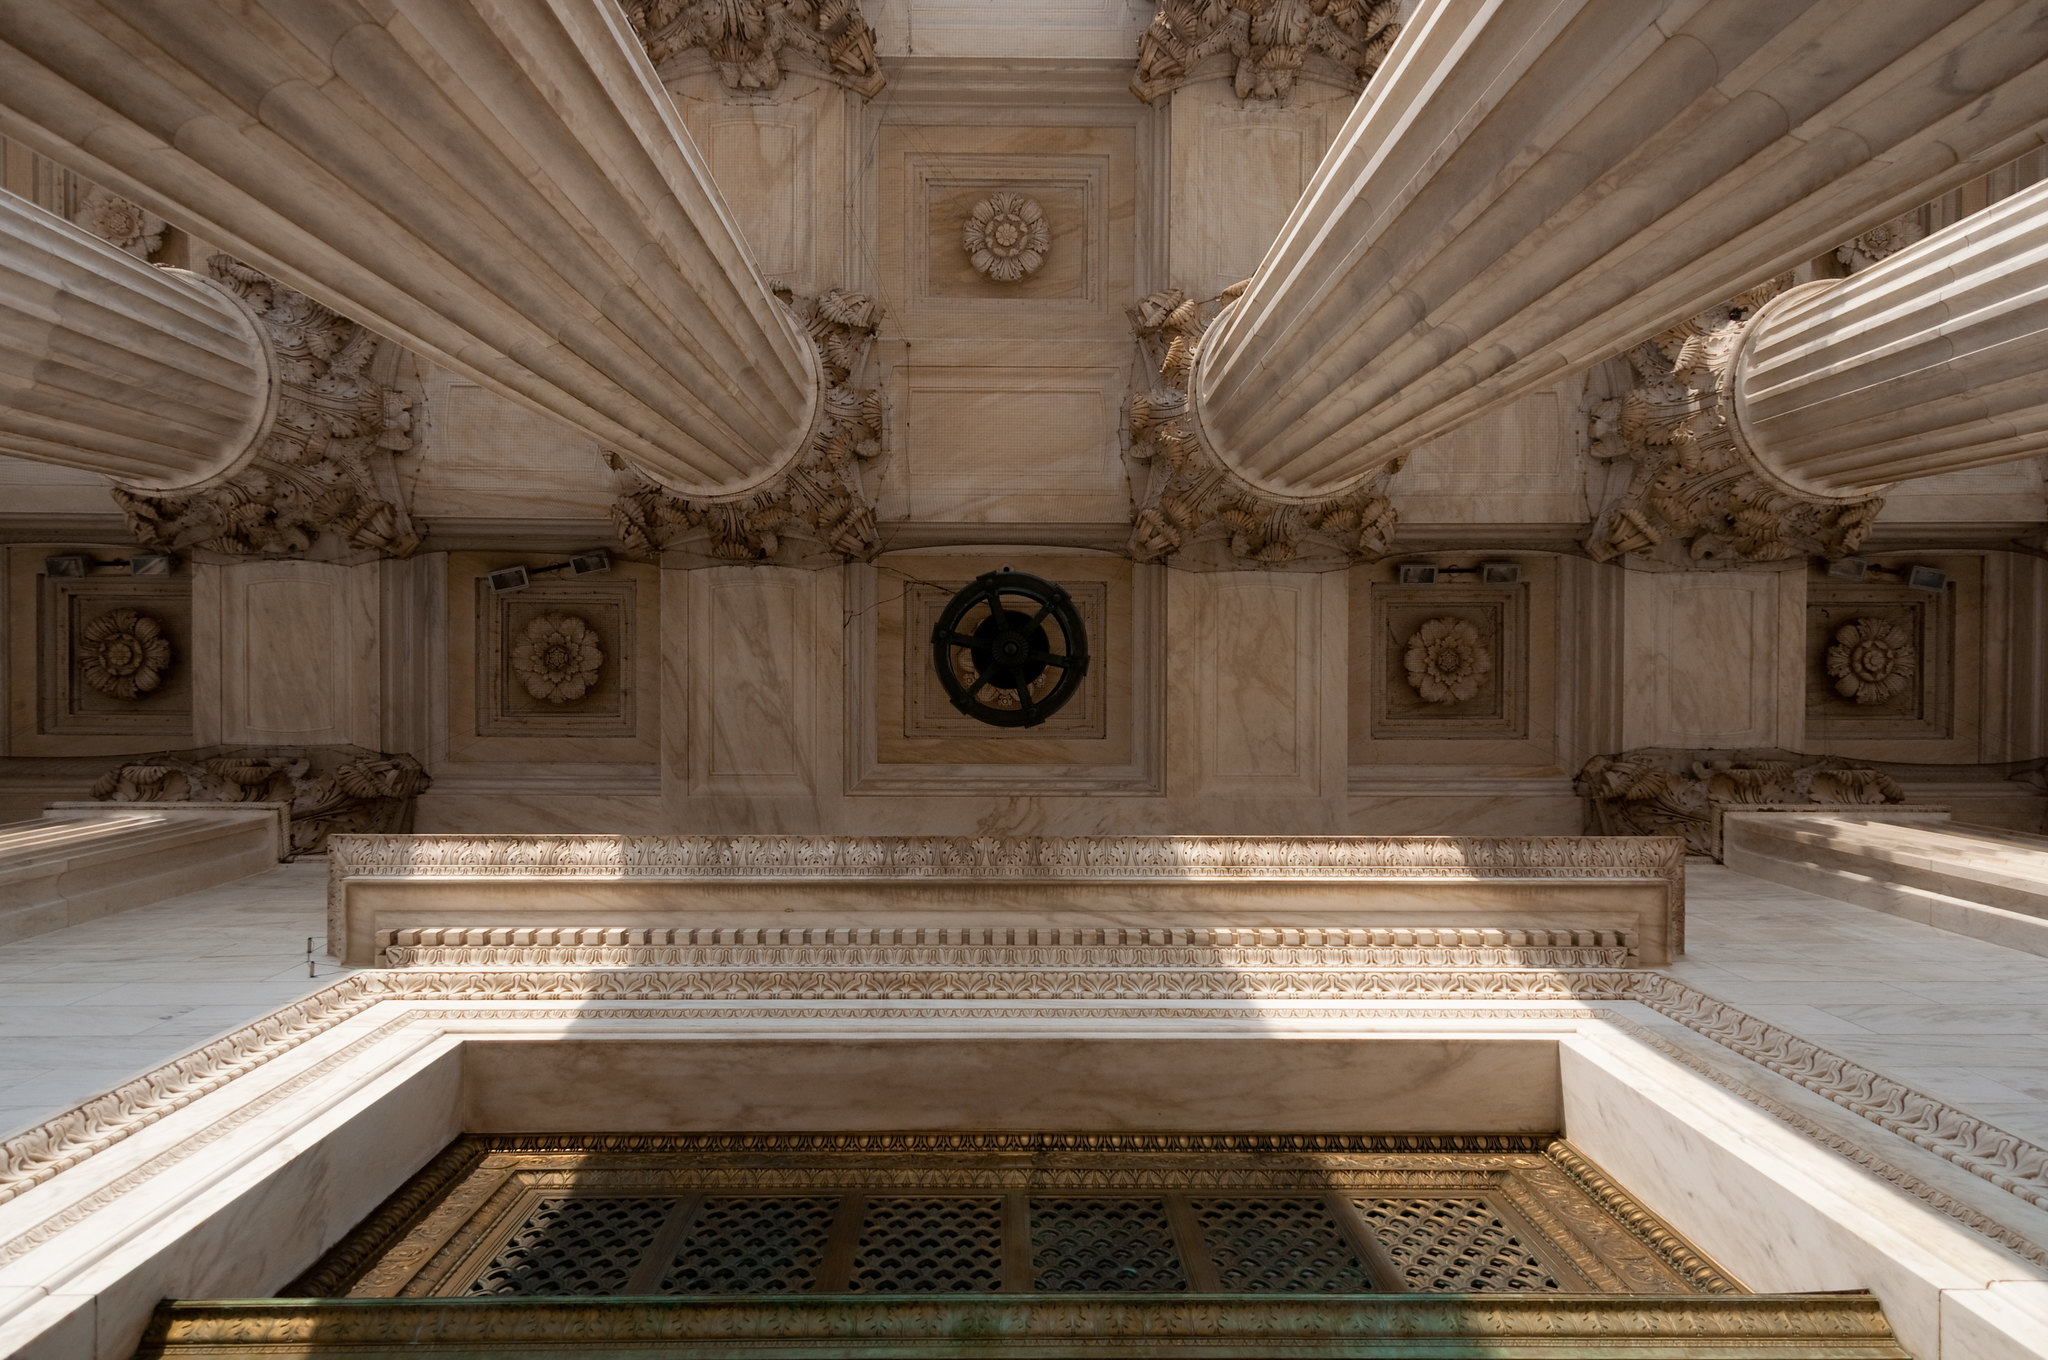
[(157, 378), (502, 185), (1530, 186), (1931, 361)]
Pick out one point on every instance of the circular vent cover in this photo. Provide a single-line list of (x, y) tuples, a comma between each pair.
[(1010, 649)]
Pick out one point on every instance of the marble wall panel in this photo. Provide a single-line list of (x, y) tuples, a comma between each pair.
[(1073, 29), (756, 660), (296, 655), (1713, 658), (1524, 463), (903, 736), (2005, 493), (481, 456), (52, 709)]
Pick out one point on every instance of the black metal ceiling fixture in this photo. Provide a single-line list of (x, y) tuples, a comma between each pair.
[(1010, 649)]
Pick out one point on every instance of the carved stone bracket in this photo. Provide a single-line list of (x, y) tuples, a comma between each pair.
[(753, 41), (1273, 41), (330, 788), (1658, 792), (1193, 506), (820, 498), (1696, 485), (324, 466)]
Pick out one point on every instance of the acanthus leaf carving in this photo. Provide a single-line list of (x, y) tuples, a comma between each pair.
[(330, 789), (1656, 792), (820, 497), (1272, 42), (1695, 484), (1192, 499), (324, 465), (751, 42)]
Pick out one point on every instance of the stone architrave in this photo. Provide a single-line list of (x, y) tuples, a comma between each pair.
[(1271, 42), (324, 464), (819, 500), (503, 187), (331, 789), (1193, 506), (1525, 190), (753, 41)]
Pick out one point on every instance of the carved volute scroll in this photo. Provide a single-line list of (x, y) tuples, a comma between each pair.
[(325, 465), (1272, 42), (820, 501), (1193, 506), (752, 42)]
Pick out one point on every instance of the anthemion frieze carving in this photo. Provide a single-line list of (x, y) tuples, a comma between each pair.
[(820, 501), (325, 466), (1192, 506), (1696, 492), (752, 42), (1659, 792), (330, 789), (1272, 42)]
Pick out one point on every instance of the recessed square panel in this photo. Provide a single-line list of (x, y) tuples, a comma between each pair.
[(556, 659), (116, 656), (1450, 661)]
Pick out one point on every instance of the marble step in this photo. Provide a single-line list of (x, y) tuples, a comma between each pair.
[(77, 863), (1985, 882)]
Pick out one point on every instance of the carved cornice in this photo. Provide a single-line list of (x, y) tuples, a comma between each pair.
[(752, 42), (1272, 42), (329, 789), (819, 501), (1661, 792), (1194, 506), (1697, 485), (325, 463)]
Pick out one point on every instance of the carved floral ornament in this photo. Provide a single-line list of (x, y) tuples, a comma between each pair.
[(821, 499), (1189, 499), (1447, 661), (127, 226), (123, 653), (1872, 660), (752, 42), (557, 658), (1006, 237), (1272, 41)]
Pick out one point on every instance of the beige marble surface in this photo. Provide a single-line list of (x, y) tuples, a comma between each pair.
[(89, 1006)]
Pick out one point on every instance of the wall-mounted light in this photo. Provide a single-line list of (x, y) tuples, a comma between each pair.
[(1417, 574), (71, 566), (1500, 573), (505, 580), (1932, 579), (589, 563), (1927, 578), (1849, 568)]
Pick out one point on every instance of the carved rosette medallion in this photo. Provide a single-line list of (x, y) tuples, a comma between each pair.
[(1271, 41), (1447, 661), (1006, 237), (1880, 242), (124, 225), (1872, 660), (123, 653), (557, 658), (820, 499), (1697, 493), (325, 464), (1190, 497)]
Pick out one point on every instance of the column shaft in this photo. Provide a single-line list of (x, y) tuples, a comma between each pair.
[(1930, 361), (502, 185), (156, 378), (1530, 186)]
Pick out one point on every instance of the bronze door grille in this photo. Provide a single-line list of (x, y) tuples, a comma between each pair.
[(1032, 1215)]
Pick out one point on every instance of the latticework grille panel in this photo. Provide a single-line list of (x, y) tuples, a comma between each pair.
[(1289, 1246), (930, 1246), (753, 1245), (1104, 1246), (575, 1246), (1453, 1246)]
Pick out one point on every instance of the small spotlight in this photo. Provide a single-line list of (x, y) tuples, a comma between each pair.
[(1927, 578), (505, 580), (152, 564), (70, 565), (1500, 573), (1418, 574), (590, 563), (1849, 568)]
